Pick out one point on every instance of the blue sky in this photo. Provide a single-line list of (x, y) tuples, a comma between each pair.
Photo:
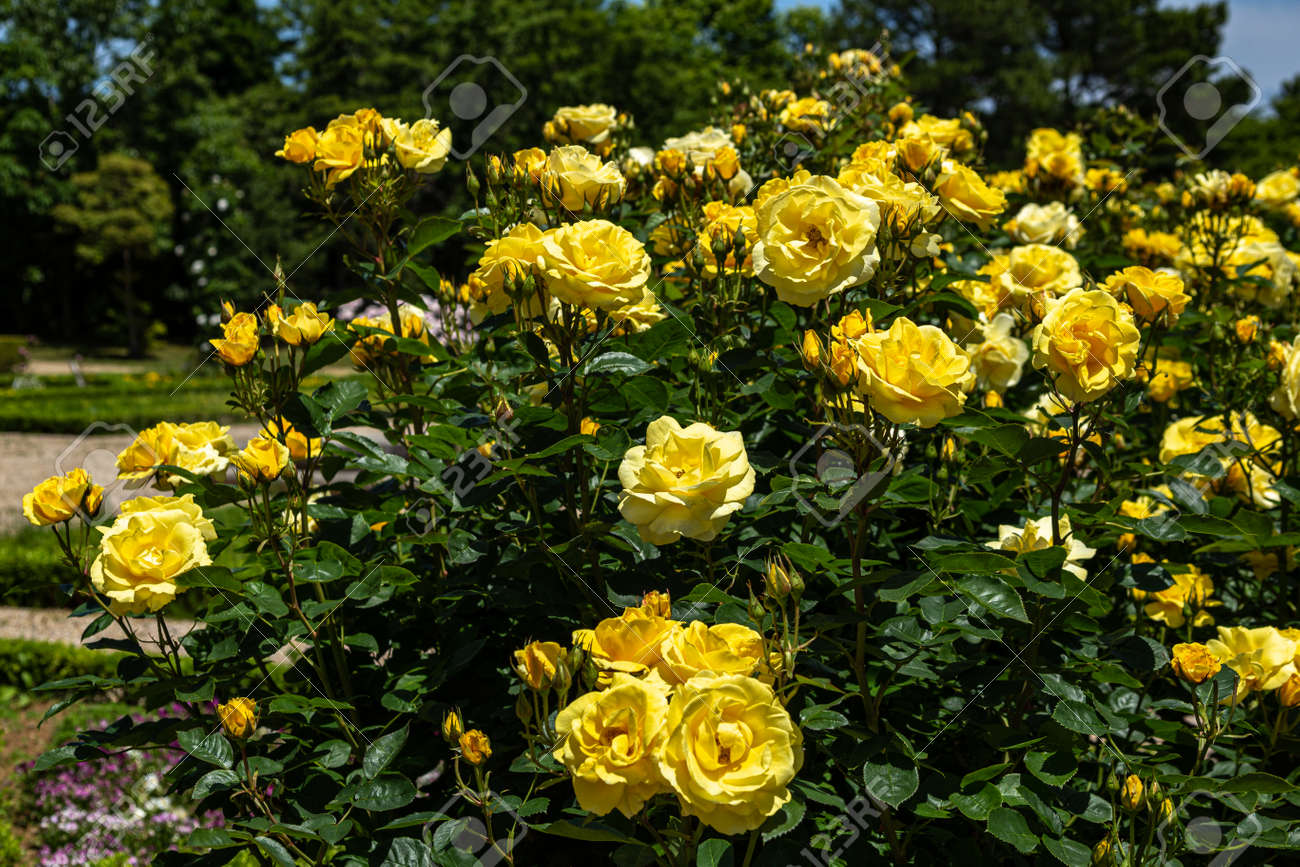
[(1260, 37)]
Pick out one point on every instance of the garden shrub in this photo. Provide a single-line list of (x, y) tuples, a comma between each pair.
[(799, 491)]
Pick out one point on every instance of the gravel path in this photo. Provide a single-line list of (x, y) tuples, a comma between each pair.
[(54, 624)]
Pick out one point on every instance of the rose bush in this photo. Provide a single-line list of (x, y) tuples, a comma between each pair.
[(728, 506)]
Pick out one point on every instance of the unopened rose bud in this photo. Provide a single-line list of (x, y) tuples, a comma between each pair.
[(1131, 794), (238, 717), (451, 727), (471, 180)]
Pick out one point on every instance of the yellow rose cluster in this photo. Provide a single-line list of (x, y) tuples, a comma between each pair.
[(677, 710), (350, 142)]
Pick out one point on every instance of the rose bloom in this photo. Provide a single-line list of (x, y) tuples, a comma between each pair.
[(422, 146), (475, 746), (1172, 376), (724, 648), (1193, 662), (609, 742), (1088, 342), (340, 150), (201, 448), (1191, 589), (628, 643), (301, 447), (731, 751), (299, 145), (808, 114), (1263, 658), (639, 315), (904, 205), (1059, 157), (303, 327), (536, 663), (514, 255), (1153, 295), (919, 151), (240, 341), (946, 131), (184, 504), (238, 717), (1032, 274), (998, 357), (586, 125), (1188, 436), (60, 498), (815, 239), (723, 222), (1277, 189), (913, 374), (1037, 535), (141, 556), (574, 177), (1152, 247), (965, 195), (1286, 397), (1052, 223), (595, 263), (684, 481), (262, 460)]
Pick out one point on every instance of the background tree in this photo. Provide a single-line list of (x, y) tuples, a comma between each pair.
[(121, 219)]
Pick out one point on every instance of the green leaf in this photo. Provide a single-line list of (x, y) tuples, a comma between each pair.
[(593, 832), (979, 805), (889, 782), (995, 595), (265, 598), (714, 853), (984, 774), (1010, 827), (206, 746), (785, 821), (1257, 783), (1068, 851), (214, 780), (624, 363), (408, 852), (1078, 717), (390, 792), (820, 718), (1141, 654), (381, 752), (430, 231), (1055, 769), (276, 850)]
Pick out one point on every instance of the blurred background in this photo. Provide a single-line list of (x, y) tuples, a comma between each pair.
[(138, 185)]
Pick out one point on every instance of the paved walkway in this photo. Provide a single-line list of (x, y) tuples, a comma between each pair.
[(54, 624)]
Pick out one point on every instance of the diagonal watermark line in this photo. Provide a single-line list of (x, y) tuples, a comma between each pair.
[(971, 612)]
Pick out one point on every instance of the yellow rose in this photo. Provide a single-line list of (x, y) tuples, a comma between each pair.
[(303, 327), (610, 741), (965, 195), (1277, 189), (1187, 436), (1052, 223), (1036, 535), (639, 315), (724, 648), (59, 498), (262, 460), (1152, 294), (684, 481), (202, 447), (1152, 247), (905, 206), (809, 114), (1263, 658), (240, 342), (998, 357), (189, 510), (1193, 662), (1172, 376), (731, 751), (528, 164), (1056, 156), (301, 447), (574, 177), (1088, 342), (150, 448), (340, 151), (142, 554), (536, 663), (815, 239), (913, 374), (475, 746), (587, 125), (422, 146), (1247, 328), (1033, 274), (238, 717), (299, 145), (595, 263), (1131, 793), (1286, 397), (509, 258), (1191, 589), (630, 642), (724, 221), (946, 131)]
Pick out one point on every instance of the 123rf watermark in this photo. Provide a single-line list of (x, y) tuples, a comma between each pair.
[(824, 848), (93, 112)]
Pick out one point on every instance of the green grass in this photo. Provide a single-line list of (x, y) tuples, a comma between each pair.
[(62, 406)]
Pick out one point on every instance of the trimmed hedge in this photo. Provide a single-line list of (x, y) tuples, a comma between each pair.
[(31, 569), (28, 664)]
